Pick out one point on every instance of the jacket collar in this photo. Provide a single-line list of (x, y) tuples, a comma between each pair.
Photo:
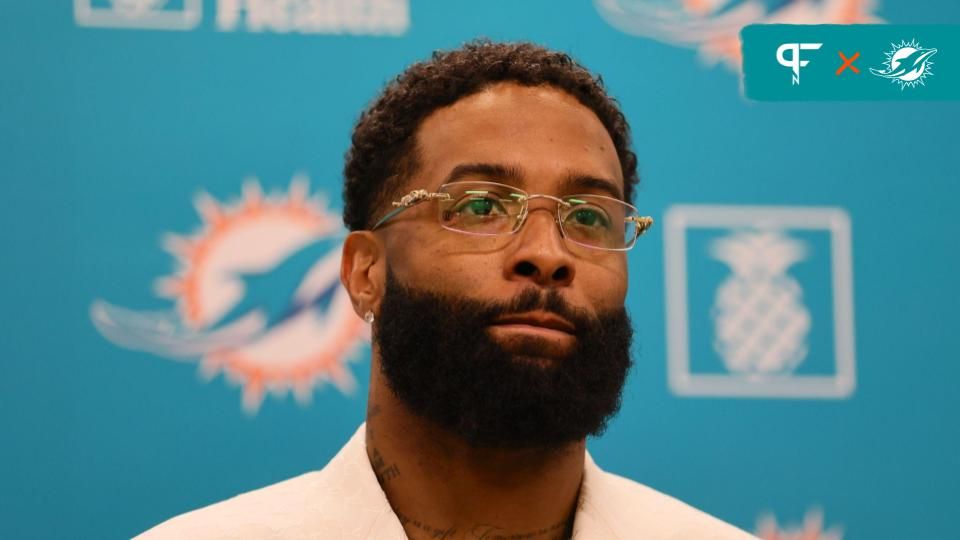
[(589, 522)]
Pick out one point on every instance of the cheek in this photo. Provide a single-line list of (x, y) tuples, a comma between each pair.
[(605, 284), (434, 259)]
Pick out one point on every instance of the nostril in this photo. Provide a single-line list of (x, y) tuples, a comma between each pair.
[(561, 274), (526, 269)]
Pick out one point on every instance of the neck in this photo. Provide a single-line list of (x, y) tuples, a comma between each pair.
[(442, 488)]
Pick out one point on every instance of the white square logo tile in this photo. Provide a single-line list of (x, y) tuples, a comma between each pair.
[(759, 302)]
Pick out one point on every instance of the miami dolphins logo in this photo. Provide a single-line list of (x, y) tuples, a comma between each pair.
[(907, 64), (256, 295), (713, 26)]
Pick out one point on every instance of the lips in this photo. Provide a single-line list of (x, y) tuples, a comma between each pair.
[(538, 319)]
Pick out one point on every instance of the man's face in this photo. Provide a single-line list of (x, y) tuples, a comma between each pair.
[(548, 137), (519, 340)]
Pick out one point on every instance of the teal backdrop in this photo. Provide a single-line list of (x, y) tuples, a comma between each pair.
[(840, 419)]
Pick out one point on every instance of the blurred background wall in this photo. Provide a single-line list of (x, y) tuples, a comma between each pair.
[(172, 172)]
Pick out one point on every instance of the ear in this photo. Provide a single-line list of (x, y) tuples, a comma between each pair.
[(363, 271)]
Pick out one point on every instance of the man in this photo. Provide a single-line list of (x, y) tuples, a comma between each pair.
[(487, 191)]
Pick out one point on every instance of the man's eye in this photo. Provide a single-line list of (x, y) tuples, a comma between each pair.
[(588, 217), (481, 206)]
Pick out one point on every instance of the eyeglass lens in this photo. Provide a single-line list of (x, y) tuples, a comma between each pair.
[(488, 209)]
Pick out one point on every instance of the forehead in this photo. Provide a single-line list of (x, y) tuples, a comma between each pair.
[(542, 132)]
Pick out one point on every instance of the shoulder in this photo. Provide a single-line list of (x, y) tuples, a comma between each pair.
[(269, 512), (628, 507), (343, 500)]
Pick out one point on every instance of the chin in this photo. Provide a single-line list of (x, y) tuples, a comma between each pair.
[(545, 362)]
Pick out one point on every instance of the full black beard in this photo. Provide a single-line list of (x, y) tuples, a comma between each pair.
[(442, 363)]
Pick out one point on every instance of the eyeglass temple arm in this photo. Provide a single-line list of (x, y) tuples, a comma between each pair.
[(643, 223), (413, 198)]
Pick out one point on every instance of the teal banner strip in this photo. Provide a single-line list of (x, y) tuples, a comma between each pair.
[(784, 62)]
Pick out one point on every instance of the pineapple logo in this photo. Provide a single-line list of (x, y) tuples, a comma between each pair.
[(760, 322), (747, 333)]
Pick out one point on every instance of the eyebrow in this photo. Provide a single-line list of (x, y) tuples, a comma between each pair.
[(574, 182), (493, 171)]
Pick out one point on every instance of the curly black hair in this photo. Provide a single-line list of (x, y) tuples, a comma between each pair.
[(383, 154)]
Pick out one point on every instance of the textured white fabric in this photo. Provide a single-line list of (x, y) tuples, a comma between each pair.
[(344, 501)]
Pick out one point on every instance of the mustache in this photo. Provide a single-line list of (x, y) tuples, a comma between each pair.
[(532, 298)]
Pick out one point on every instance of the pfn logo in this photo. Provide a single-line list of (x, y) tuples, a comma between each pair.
[(794, 62)]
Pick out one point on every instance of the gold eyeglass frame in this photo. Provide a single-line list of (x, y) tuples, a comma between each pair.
[(417, 196)]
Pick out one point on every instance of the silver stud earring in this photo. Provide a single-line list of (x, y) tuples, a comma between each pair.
[(368, 316)]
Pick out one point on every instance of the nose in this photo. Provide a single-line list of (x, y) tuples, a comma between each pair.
[(538, 252)]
